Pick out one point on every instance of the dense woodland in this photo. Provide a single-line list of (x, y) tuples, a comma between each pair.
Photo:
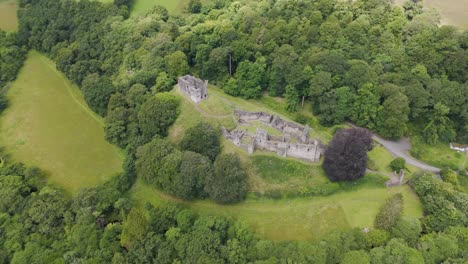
[(369, 62), (391, 66)]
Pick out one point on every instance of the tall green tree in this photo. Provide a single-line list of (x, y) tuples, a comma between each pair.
[(203, 139), (97, 92), (157, 114), (228, 183)]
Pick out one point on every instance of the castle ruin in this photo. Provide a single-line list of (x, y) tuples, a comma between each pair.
[(193, 87), (294, 142)]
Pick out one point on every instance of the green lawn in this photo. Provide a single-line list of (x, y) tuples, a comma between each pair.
[(439, 155), (296, 219), (453, 12), (49, 125), (8, 19), (174, 6)]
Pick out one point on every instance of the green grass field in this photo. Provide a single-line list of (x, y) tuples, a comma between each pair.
[(8, 19), (296, 219), (452, 12), (49, 125), (173, 6)]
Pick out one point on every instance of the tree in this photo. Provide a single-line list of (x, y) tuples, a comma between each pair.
[(134, 228), (228, 183), (203, 139), (249, 79), (366, 107), (194, 6), (450, 176), (396, 252), (355, 257), (149, 157), (127, 3), (163, 83), (157, 114), (390, 212), (194, 169), (292, 98), (335, 106), (97, 91), (392, 117), (439, 128), (398, 164), (436, 248), (176, 64), (408, 229), (346, 155)]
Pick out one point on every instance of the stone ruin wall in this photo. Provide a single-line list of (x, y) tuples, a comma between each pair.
[(193, 87), (305, 149)]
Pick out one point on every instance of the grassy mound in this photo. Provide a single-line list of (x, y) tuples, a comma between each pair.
[(49, 125)]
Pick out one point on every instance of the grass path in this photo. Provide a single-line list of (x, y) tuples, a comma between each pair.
[(49, 125)]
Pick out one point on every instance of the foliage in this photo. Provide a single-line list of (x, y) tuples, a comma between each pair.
[(179, 173), (390, 212), (384, 66), (346, 154), (228, 183), (444, 206), (12, 56), (97, 92), (203, 139), (356, 257), (398, 164), (157, 114), (408, 229), (134, 228), (450, 176)]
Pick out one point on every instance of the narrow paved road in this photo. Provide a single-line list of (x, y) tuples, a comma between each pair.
[(400, 149)]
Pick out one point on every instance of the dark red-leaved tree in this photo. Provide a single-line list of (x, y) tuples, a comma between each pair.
[(346, 155)]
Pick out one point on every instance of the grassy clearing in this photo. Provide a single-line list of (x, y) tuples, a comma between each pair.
[(174, 6), (439, 155), (380, 159), (453, 12), (8, 19), (49, 125), (297, 219)]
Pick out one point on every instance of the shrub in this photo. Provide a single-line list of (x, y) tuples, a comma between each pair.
[(450, 176), (390, 212), (398, 164)]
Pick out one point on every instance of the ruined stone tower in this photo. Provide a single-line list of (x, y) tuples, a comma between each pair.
[(193, 87)]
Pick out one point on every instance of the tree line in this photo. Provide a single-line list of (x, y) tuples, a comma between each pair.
[(41, 224), (12, 56)]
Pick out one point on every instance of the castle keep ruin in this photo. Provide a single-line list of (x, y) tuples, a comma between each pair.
[(294, 142), (193, 87)]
